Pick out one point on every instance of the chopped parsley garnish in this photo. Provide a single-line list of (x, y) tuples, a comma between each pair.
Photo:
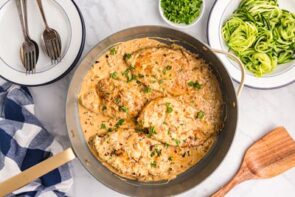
[(119, 123), (152, 153), (128, 69), (103, 126), (200, 115), (114, 75), (117, 100), (169, 108), (138, 130), (124, 109), (129, 76), (195, 85), (177, 142), (157, 152), (154, 164), (140, 76), (166, 145), (127, 56), (170, 158), (151, 132), (147, 89), (166, 69), (103, 108), (110, 129), (113, 51), (181, 11)]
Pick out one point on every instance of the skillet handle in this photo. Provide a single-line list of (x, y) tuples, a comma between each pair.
[(34, 172), (243, 72)]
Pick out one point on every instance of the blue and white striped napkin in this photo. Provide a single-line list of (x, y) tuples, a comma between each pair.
[(24, 143)]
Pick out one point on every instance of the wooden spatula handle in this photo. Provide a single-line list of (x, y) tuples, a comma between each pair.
[(243, 174)]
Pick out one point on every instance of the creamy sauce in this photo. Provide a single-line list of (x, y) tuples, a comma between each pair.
[(150, 111)]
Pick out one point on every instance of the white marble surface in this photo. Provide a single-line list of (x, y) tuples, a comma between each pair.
[(260, 110)]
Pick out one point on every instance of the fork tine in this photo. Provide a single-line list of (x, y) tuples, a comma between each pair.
[(50, 50), (58, 46), (54, 49), (33, 61), (56, 42), (25, 62), (29, 61)]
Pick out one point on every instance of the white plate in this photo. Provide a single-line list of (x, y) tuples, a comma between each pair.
[(284, 73), (62, 15)]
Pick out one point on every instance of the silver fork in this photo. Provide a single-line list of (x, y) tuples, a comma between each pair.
[(29, 51), (51, 38)]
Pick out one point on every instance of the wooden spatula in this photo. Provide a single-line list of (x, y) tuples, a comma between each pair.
[(271, 155)]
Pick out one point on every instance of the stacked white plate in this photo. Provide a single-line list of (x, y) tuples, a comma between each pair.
[(62, 15), (283, 75)]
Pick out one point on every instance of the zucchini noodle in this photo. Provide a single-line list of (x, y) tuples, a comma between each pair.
[(261, 34)]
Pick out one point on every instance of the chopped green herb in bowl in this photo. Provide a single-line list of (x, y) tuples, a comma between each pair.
[(181, 13)]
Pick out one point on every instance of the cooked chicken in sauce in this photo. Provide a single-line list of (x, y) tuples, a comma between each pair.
[(150, 111)]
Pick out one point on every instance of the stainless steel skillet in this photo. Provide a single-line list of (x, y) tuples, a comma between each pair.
[(79, 148)]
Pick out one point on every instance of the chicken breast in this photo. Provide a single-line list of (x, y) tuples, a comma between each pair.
[(171, 121), (120, 99), (136, 156), (159, 68)]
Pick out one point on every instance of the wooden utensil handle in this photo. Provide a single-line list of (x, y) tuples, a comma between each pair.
[(243, 174), (36, 171)]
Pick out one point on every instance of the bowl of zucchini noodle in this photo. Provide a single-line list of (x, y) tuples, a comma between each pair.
[(262, 34)]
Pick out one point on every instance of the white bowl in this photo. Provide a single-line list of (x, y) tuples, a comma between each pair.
[(177, 25), (283, 75)]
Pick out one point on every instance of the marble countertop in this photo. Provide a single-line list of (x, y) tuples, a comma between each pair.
[(260, 110)]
